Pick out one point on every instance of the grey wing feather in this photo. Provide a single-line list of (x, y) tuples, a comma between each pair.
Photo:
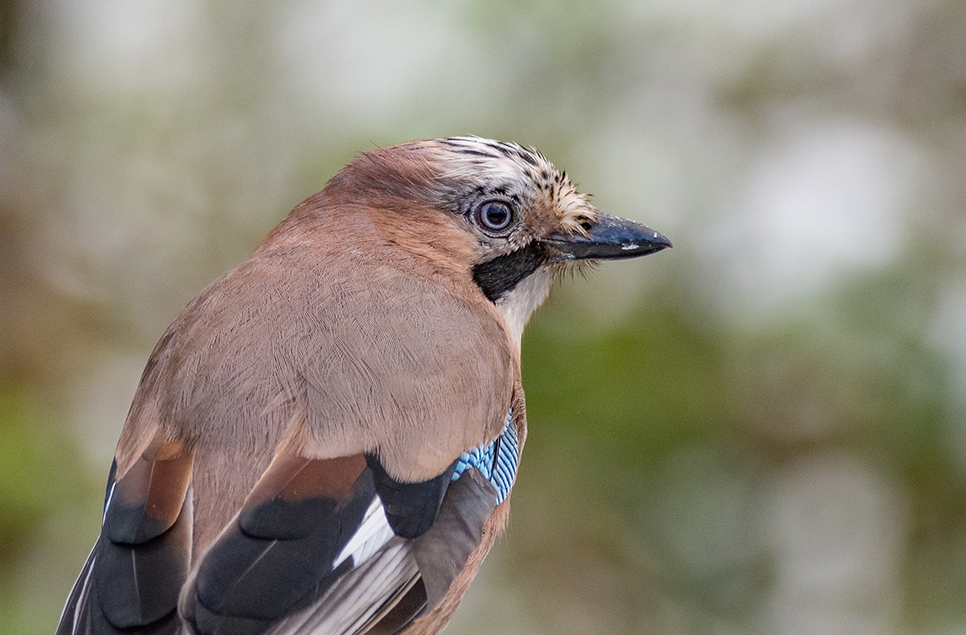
[(349, 607), (369, 591)]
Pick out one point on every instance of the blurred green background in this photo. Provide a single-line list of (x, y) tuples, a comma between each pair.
[(759, 431)]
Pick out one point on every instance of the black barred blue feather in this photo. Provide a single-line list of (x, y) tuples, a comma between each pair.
[(496, 462)]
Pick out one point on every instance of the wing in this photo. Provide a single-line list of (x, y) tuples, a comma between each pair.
[(340, 546), (133, 576)]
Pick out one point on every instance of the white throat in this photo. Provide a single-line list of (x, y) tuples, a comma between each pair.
[(519, 304)]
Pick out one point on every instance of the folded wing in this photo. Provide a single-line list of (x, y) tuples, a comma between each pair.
[(340, 546)]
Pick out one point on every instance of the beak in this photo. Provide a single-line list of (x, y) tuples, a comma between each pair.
[(610, 238)]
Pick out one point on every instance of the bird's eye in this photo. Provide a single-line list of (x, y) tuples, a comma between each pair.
[(493, 216)]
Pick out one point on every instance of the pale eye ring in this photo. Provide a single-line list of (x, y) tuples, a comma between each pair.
[(493, 216)]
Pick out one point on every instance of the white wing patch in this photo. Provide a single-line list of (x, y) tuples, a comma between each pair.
[(107, 502), (373, 532)]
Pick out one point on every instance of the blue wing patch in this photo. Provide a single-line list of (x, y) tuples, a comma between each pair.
[(497, 462)]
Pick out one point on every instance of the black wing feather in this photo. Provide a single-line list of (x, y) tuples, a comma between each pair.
[(136, 570), (411, 508)]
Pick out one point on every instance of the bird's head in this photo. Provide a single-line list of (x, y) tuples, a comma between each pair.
[(516, 219)]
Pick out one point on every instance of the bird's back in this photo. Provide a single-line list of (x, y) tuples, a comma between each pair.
[(357, 347)]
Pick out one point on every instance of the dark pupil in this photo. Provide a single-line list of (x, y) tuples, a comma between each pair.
[(495, 215)]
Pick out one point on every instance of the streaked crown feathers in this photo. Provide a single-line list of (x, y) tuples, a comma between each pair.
[(499, 164), (459, 173)]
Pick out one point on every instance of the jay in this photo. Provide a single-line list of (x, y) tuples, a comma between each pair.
[(325, 439)]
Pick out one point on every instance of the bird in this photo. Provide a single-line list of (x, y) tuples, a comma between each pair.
[(325, 439)]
